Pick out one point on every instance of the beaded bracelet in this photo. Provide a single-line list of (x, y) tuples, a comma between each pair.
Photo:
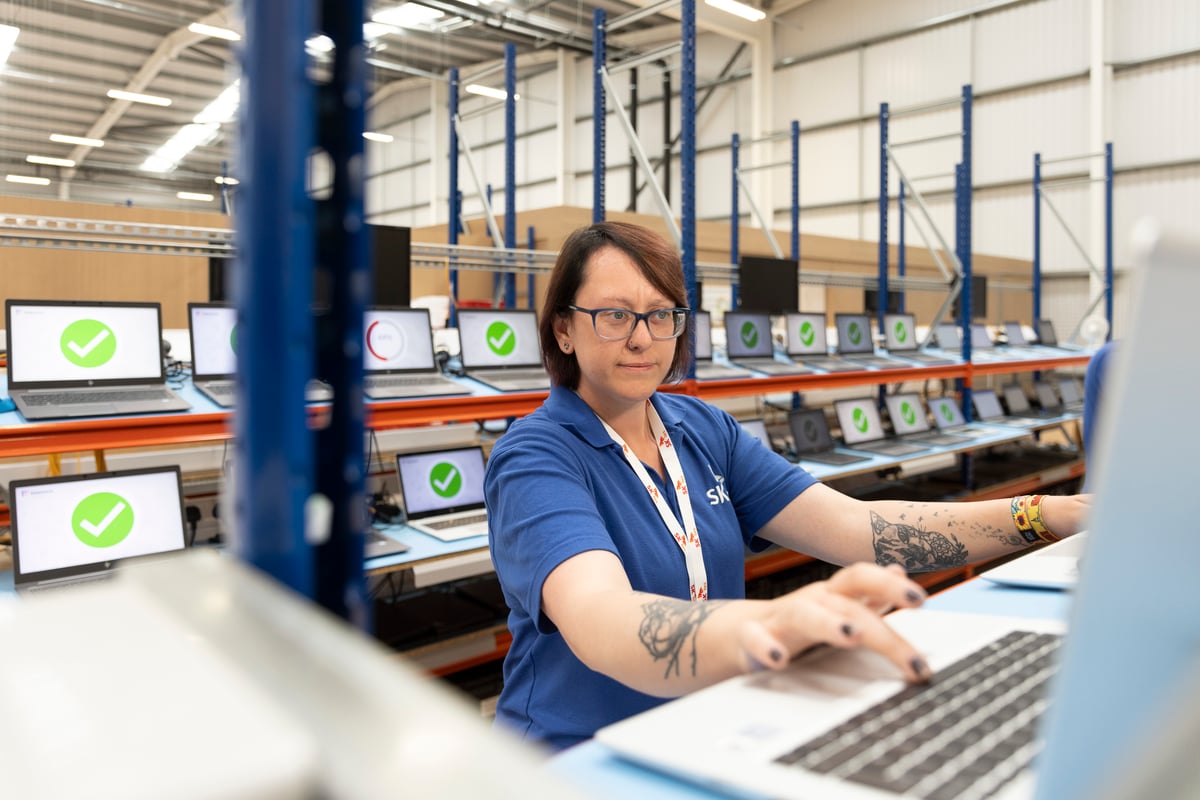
[(1027, 516)]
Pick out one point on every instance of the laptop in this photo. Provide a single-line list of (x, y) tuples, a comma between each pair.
[(813, 441), (1017, 343), (947, 336), (988, 409), (862, 429), (900, 338), (1055, 566), (806, 343), (398, 357), (750, 344), (1047, 397), (1048, 338), (1068, 390), (442, 492), (758, 429), (856, 343), (213, 330), (982, 346), (499, 347), (1100, 725), (911, 423), (948, 417), (72, 529), (1018, 404), (86, 359), (706, 369)]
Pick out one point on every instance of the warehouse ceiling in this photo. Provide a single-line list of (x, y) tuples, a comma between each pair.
[(68, 54)]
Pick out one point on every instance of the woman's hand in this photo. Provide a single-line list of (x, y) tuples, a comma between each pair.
[(844, 611), (1066, 515)]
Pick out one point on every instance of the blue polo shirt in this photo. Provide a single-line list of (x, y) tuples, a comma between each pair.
[(557, 485)]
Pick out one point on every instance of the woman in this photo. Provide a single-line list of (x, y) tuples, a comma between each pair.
[(619, 517)]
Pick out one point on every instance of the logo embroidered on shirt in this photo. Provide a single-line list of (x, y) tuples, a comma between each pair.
[(717, 494)]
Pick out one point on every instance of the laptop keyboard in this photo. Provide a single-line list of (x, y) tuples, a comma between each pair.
[(400, 381), (442, 524), (93, 396), (963, 735)]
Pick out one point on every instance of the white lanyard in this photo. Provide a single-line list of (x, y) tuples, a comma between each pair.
[(686, 536)]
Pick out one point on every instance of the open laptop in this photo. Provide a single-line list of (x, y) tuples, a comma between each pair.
[(1048, 338), (758, 429), (1019, 406), (706, 369), (499, 347), (900, 339), (1055, 566), (1047, 396), (947, 336), (86, 359), (1017, 343), (862, 429), (75, 528), (214, 338), (813, 441), (1099, 724), (988, 409), (948, 417), (982, 346), (398, 357), (442, 491), (806, 343), (749, 343), (911, 423), (1068, 390), (855, 342)]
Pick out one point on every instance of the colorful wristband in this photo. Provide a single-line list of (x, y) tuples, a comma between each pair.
[(1027, 516)]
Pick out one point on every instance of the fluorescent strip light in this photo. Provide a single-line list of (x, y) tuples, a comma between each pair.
[(372, 136), (82, 141), (27, 179), (407, 15), (488, 91), (738, 9), (138, 97), (215, 32), (50, 162), (8, 38), (189, 137), (224, 108), (204, 198), (226, 181)]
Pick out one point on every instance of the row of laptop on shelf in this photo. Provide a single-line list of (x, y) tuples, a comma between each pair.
[(750, 347), (862, 428)]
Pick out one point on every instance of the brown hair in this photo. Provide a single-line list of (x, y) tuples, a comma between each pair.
[(654, 256)]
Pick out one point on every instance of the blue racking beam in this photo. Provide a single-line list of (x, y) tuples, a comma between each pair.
[(510, 167), (455, 197), (599, 112)]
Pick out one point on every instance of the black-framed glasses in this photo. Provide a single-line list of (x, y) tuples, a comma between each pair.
[(613, 324)]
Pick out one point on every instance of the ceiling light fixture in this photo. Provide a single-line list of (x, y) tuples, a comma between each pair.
[(407, 15), (82, 141), (373, 136), (738, 9), (224, 108), (8, 38), (167, 157), (201, 196), (51, 162), (488, 91), (138, 97), (224, 180), (27, 179), (215, 32)]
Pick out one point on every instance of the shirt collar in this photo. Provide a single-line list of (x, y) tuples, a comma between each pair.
[(567, 408)]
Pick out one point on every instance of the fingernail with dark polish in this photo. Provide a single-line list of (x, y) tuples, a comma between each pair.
[(847, 629), (776, 655), (919, 667), (914, 596)]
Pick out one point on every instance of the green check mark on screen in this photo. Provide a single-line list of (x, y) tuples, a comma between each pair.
[(102, 520), (749, 334), (901, 332), (501, 338), (807, 334), (445, 479), (860, 420), (854, 332), (947, 412), (906, 411), (88, 343)]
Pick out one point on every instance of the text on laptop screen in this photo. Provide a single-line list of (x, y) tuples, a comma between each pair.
[(498, 338), (76, 342), (987, 404), (214, 340), (73, 523), (907, 413), (748, 334), (703, 322), (806, 334), (854, 333), (397, 339), (946, 412), (859, 420), (440, 481), (900, 331)]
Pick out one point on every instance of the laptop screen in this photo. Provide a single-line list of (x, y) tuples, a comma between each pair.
[(810, 430), (758, 429), (1069, 390), (1014, 334), (854, 333), (806, 335), (1015, 398), (980, 340), (83, 344), (947, 336), (900, 332), (946, 412), (80, 524), (498, 338), (1045, 333), (906, 412), (859, 420), (987, 404), (748, 334), (397, 339), (213, 328), (703, 321), (1046, 394), (441, 481)]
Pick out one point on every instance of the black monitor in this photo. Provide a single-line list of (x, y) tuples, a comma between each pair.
[(871, 301), (769, 284), (391, 263), (978, 298)]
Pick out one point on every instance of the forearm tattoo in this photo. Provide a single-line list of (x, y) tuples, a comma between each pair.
[(670, 625), (913, 547)]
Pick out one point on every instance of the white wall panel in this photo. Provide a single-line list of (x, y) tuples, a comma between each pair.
[(1010, 128), (826, 222), (1145, 28), (928, 158), (817, 92), (926, 66), (1155, 113), (1003, 222), (829, 168), (1170, 197), (1030, 42), (1059, 253)]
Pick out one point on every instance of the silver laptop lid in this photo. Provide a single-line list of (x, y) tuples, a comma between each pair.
[(806, 335), (946, 413), (213, 330), (980, 340), (75, 525), (758, 429), (494, 337), (55, 344), (1016, 399), (436, 482), (748, 334), (1015, 335), (907, 412), (1069, 391), (703, 322), (859, 420), (900, 332), (397, 340), (1047, 395), (947, 336), (987, 404)]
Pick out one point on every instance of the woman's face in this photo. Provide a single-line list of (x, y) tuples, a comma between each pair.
[(616, 374)]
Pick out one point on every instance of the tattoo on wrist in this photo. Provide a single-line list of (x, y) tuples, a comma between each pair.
[(913, 547), (669, 625)]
